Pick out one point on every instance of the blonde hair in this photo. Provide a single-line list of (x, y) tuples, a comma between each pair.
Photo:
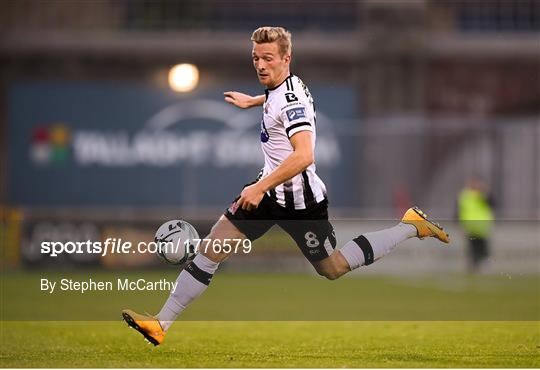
[(267, 34)]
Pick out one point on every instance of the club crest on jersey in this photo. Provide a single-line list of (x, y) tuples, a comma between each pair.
[(296, 113), (264, 137)]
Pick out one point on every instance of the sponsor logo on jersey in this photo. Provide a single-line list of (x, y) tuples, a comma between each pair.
[(264, 136), (296, 113), (291, 105), (264, 132)]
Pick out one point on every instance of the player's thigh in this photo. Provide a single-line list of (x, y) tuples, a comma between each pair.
[(255, 223), (214, 247), (315, 238)]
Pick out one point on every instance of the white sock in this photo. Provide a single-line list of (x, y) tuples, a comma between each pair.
[(191, 282), (369, 247)]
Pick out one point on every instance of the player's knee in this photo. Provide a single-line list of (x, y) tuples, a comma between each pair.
[(331, 267), (330, 274)]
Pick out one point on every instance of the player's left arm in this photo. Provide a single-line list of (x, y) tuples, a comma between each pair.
[(301, 158), (243, 101)]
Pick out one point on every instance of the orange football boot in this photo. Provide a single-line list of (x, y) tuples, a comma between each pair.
[(424, 227), (147, 325)]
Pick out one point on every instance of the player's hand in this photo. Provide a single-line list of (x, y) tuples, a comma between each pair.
[(239, 99), (250, 197)]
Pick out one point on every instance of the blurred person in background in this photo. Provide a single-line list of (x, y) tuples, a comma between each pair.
[(475, 214)]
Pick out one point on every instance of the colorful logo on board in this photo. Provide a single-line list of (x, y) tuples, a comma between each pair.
[(50, 144)]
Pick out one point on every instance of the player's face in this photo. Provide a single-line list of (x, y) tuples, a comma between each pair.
[(272, 68)]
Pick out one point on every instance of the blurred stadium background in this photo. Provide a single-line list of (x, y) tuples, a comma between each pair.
[(412, 97)]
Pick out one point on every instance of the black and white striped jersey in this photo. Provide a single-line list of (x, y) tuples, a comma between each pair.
[(289, 109)]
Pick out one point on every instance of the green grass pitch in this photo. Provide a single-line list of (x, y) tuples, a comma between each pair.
[(274, 344), (379, 322)]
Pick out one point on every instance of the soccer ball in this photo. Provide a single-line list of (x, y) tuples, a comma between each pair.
[(174, 239)]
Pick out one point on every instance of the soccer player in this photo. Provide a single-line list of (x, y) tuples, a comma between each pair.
[(287, 192)]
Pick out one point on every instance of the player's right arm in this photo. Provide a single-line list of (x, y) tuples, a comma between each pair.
[(301, 158), (243, 100)]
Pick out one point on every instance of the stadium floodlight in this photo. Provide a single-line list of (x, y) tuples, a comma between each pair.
[(183, 77)]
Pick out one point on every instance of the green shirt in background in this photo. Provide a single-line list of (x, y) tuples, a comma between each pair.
[(475, 213)]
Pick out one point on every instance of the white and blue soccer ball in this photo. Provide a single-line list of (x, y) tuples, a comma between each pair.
[(175, 241)]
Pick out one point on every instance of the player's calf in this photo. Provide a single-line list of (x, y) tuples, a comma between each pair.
[(369, 247)]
